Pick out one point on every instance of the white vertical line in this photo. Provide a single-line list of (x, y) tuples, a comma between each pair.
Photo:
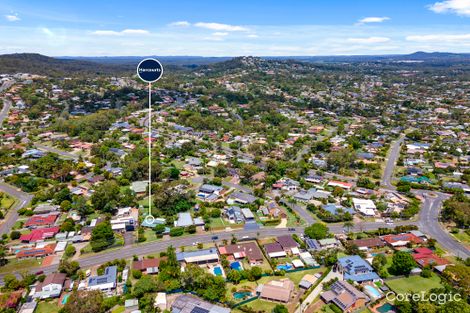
[(150, 148)]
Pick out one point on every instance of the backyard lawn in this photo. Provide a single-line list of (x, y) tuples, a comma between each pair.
[(414, 284), (261, 305), (47, 307)]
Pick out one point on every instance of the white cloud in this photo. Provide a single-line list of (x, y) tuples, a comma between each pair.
[(253, 36), (180, 24), (221, 27), (369, 40), (120, 33), (220, 34), (12, 18), (460, 7), (373, 19), (135, 32), (439, 38)]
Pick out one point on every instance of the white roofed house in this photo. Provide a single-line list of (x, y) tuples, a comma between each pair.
[(364, 206), (51, 287)]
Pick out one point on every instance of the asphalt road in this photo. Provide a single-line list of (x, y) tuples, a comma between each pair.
[(6, 102), (391, 163), (23, 199), (156, 246), (429, 224), (63, 154), (303, 213)]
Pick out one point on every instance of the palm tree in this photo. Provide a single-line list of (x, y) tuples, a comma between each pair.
[(348, 225)]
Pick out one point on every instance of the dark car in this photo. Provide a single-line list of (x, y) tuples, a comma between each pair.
[(215, 237), (291, 229)]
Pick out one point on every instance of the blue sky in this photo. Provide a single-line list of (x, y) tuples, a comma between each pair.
[(231, 28)]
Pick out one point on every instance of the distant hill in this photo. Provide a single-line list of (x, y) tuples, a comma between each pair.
[(43, 65), (125, 65)]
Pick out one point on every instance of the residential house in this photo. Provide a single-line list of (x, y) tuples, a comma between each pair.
[(364, 206), (147, 266), (356, 269), (335, 183), (104, 282), (37, 221), (199, 256), (38, 252), (274, 250), (345, 296), (247, 250), (39, 234), (209, 192), (240, 198), (368, 243), (288, 244), (425, 257), (277, 290), (51, 287), (401, 240), (234, 214), (191, 304)]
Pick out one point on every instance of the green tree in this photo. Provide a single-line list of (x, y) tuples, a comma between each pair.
[(84, 302), (105, 195), (317, 231), (279, 308), (402, 263), (102, 236)]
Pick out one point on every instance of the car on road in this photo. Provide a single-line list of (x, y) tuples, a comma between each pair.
[(215, 237), (291, 229), (388, 221)]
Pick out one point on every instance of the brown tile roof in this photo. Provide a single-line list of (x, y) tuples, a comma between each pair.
[(144, 264), (369, 242), (249, 250), (287, 242), (278, 290)]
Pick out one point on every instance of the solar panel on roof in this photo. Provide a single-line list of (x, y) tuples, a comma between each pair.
[(199, 310)]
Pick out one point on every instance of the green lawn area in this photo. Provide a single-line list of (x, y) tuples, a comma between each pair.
[(118, 309), (463, 237), (150, 234), (47, 307), (6, 202), (15, 265), (297, 276), (261, 305), (292, 220), (217, 223), (414, 284)]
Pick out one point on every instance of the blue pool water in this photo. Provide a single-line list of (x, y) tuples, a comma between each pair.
[(373, 291), (387, 307), (285, 267), (217, 271), (236, 266), (241, 294), (65, 298)]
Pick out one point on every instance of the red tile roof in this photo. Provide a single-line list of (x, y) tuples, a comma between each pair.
[(41, 220), (36, 252), (40, 234)]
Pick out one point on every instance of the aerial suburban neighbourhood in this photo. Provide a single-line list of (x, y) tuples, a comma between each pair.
[(235, 184)]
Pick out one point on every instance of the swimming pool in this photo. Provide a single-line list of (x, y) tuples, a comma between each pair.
[(285, 267), (371, 291), (236, 266), (64, 299), (386, 308), (218, 271), (241, 294)]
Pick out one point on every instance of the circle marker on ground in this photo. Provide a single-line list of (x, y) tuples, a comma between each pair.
[(149, 70), (149, 219)]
